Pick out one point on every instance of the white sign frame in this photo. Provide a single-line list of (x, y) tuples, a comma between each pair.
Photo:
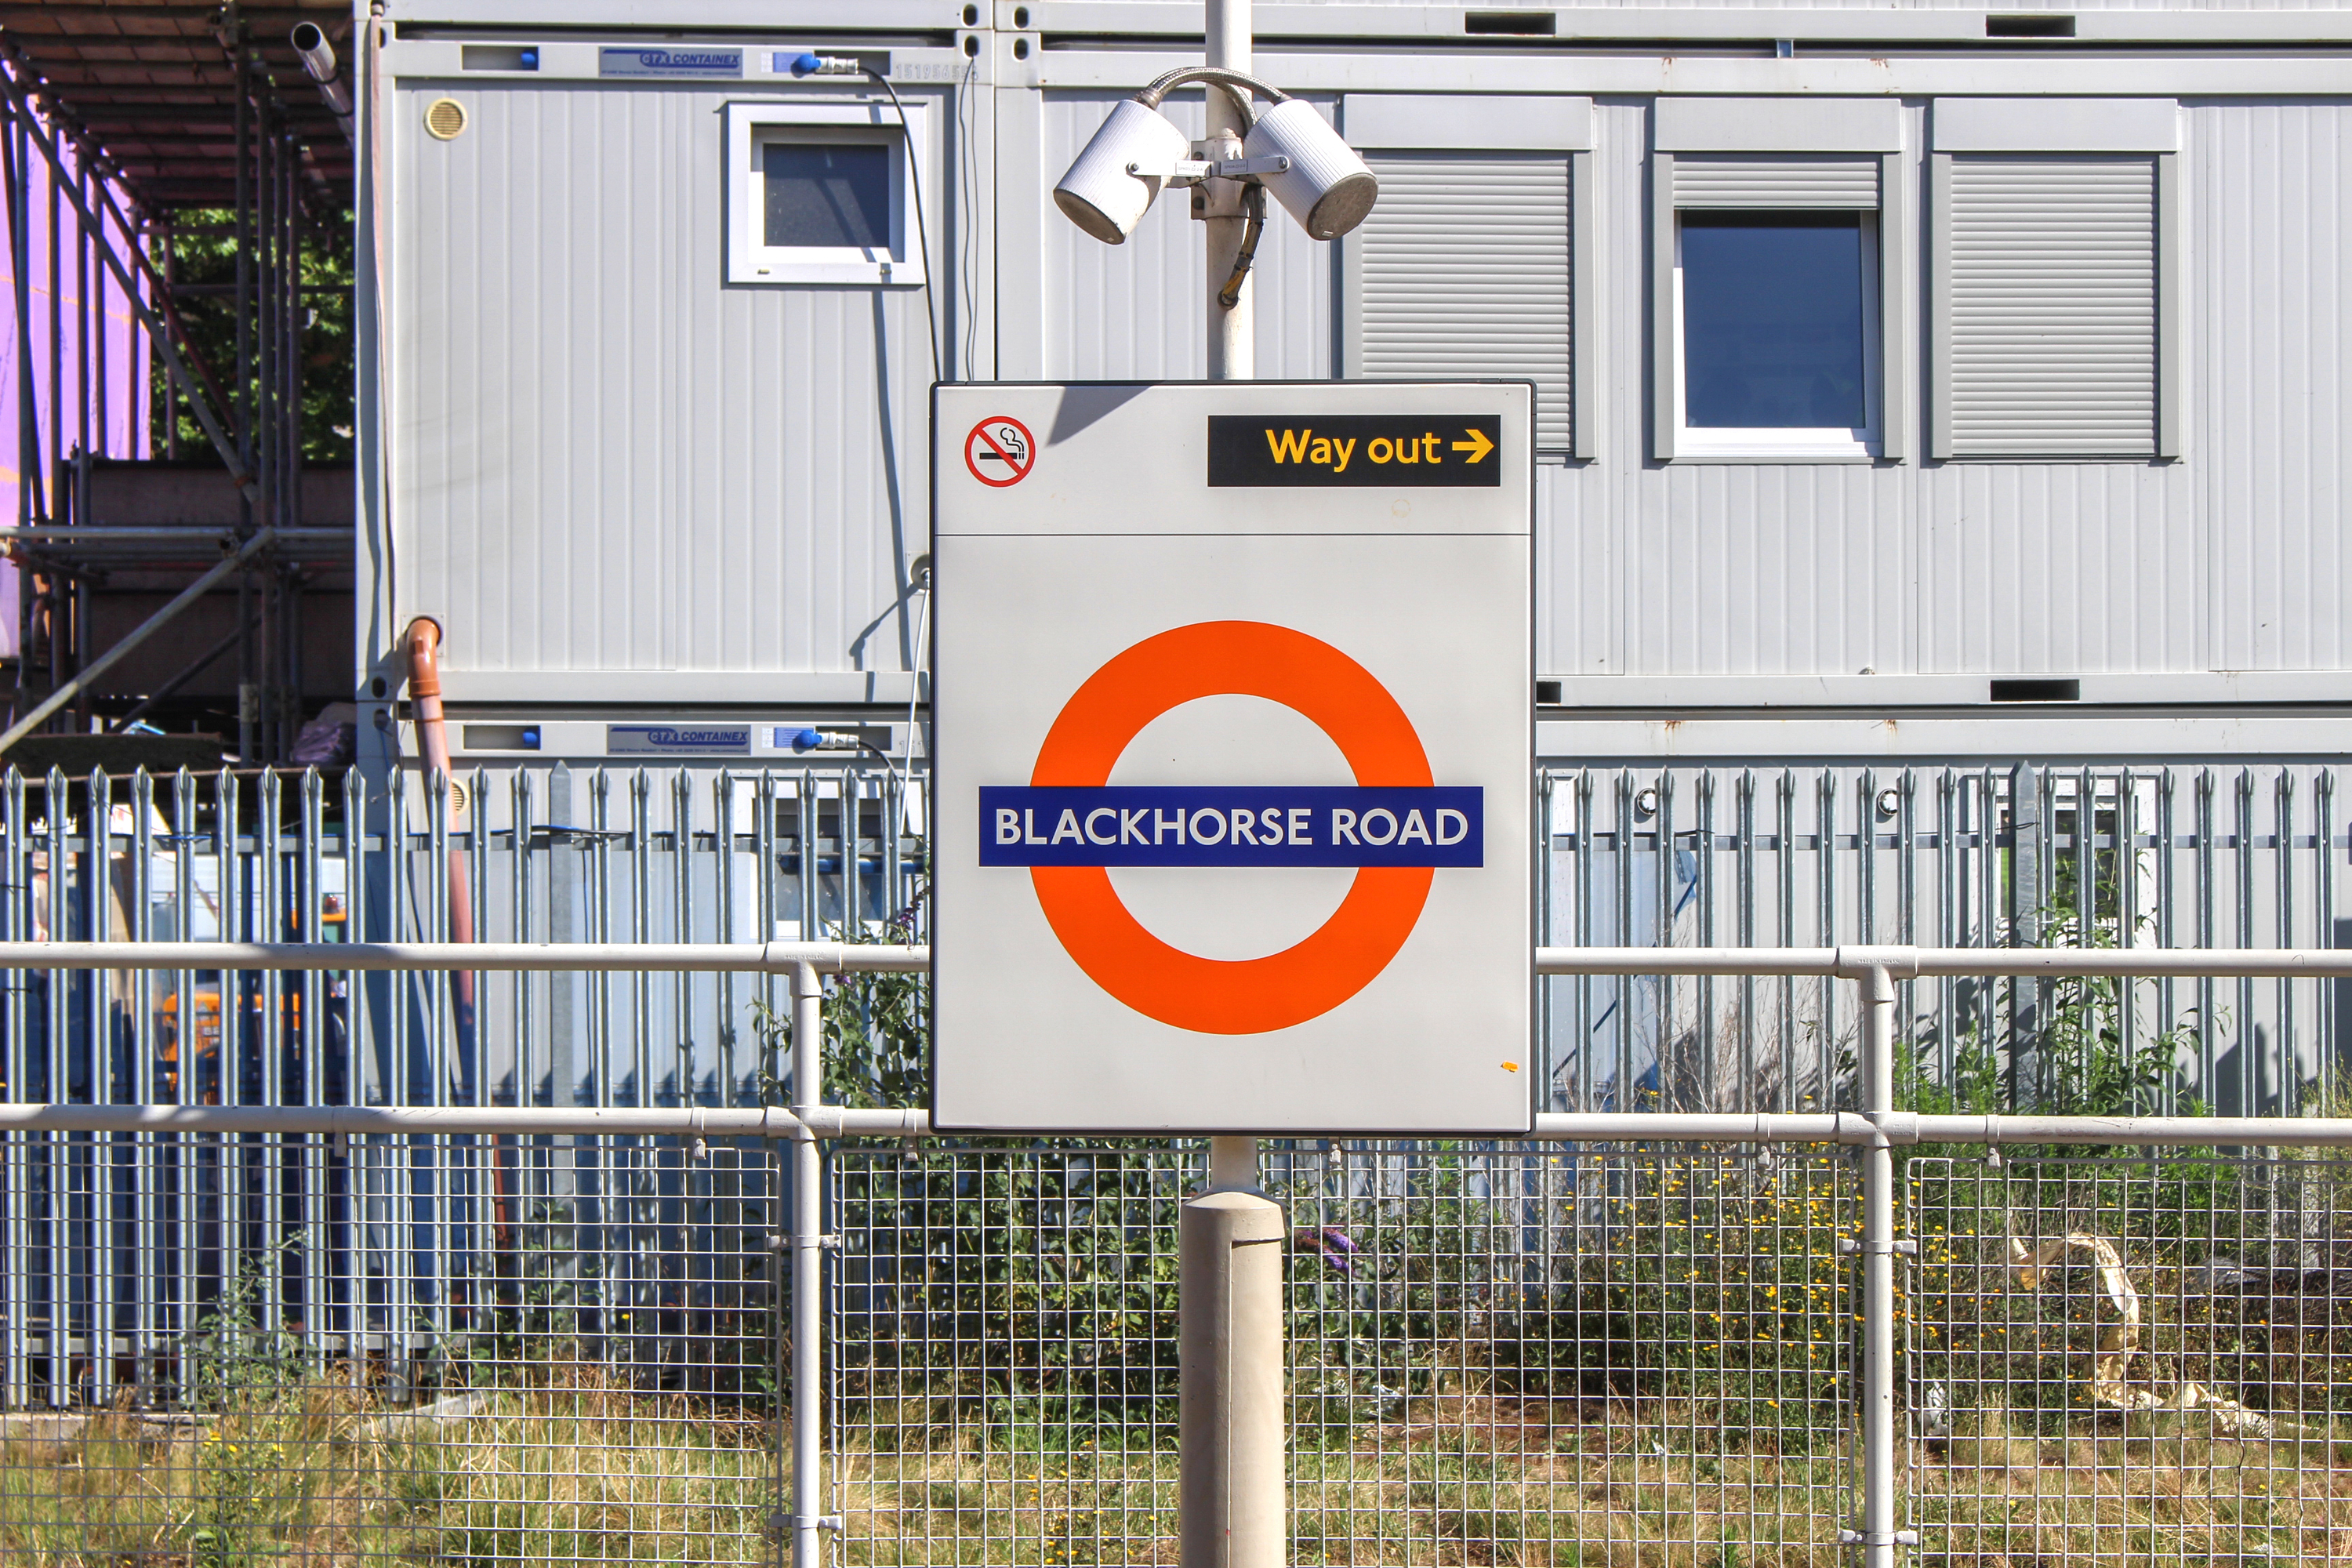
[(1114, 628)]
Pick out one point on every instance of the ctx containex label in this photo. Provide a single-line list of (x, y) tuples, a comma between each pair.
[(1232, 792)]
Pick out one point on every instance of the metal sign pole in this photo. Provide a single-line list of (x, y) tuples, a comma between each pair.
[(1232, 1494), (1233, 338)]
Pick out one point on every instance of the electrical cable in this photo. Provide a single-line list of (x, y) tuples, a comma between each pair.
[(807, 65), (966, 142), (922, 229), (930, 318), (1253, 205), (379, 275)]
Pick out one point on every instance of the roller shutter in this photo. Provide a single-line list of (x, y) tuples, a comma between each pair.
[(1755, 184), (1465, 272), (2053, 307)]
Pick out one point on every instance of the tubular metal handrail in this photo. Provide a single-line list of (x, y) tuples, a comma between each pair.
[(1848, 962), (1848, 1128), (602, 957), (480, 1121)]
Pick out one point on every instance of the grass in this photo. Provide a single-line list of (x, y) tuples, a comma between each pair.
[(1615, 1499), (574, 1470), (1431, 1504), (2131, 1490), (568, 1470)]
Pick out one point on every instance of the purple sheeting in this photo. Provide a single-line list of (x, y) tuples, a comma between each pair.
[(71, 412)]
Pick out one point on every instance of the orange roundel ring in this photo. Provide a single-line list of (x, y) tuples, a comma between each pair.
[(1224, 996)]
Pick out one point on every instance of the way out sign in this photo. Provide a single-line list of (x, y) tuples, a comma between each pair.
[(1234, 758)]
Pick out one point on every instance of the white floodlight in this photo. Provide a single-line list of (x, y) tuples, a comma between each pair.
[(1289, 149), (1326, 187), (1120, 174)]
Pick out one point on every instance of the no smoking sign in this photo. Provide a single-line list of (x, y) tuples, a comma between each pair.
[(1000, 451), (1231, 823)]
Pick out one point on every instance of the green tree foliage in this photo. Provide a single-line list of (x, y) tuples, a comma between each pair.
[(204, 258)]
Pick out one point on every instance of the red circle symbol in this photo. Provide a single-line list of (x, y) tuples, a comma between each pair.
[(1223, 996), (1000, 451)]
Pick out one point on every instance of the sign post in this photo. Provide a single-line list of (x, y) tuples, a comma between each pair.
[(1232, 1487), (1130, 877), (1235, 830)]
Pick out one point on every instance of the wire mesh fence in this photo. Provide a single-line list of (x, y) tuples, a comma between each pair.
[(405, 1350), (1498, 1355), (2130, 1360), (1004, 1340)]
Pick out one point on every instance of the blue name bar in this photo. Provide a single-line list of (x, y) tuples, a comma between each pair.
[(1271, 824)]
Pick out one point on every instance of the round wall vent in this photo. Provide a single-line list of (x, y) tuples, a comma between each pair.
[(444, 118)]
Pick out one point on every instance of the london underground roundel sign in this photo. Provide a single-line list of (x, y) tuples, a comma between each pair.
[(1231, 811), (1094, 826)]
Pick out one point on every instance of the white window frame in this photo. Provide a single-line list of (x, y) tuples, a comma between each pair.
[(1795, 125), (750, 127), (1786, 443)]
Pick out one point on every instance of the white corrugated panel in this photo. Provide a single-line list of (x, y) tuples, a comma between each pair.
[(604, 461), (2053, 307), (1465, 273), (1775, 181), (2271, 248)]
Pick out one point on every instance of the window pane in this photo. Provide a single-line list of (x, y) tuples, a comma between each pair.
[(1772, 320), (827, 193)]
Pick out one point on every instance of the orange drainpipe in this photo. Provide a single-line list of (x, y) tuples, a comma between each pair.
[(424, 640)]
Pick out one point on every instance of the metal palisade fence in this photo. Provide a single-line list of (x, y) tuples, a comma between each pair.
[(2019, 856), (612, 856), (378, 1258), (1685, 856)]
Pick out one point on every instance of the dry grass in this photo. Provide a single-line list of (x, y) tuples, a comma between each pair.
[(2149, 1488), (1458, 1477), (1478, 1483), (576, 1473), (1361, 1506), (582, 1473)]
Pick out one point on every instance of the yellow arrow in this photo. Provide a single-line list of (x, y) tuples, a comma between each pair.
[(1477, 446)]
